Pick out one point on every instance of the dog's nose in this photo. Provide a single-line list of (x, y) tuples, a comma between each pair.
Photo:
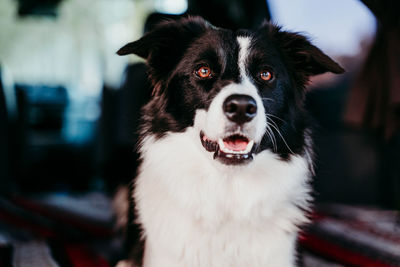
[(240, 108)]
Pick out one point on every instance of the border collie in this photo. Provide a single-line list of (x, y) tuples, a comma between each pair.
[(226, 152)]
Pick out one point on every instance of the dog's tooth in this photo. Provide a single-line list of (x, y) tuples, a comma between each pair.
[(250, 144), (249, 147), (221, 143), (222, 146)]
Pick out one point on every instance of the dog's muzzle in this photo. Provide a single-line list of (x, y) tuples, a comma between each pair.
[(234, 146)]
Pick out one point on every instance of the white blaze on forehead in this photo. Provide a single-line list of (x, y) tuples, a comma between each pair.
[(244, 49), (214, 122)]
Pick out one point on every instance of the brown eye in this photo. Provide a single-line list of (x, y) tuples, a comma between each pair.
[(203, 72), (266, 75)]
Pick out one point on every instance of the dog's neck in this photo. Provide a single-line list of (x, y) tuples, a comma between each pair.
[(256, 206)]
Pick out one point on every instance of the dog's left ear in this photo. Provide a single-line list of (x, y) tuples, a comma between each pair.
[(304, 56), (164, 46)]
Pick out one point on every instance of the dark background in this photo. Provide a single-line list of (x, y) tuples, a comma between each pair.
[(54, 138)]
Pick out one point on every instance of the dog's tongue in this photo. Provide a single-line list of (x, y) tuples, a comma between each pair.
[(236, 143)]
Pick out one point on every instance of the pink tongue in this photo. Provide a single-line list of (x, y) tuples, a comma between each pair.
[(236, 144)]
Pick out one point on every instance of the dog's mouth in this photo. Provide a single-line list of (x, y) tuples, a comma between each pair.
[(234, 149)]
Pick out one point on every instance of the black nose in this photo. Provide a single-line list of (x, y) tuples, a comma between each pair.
[(240, 108)]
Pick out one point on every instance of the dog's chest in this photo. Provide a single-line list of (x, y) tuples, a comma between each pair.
[(196, 212)]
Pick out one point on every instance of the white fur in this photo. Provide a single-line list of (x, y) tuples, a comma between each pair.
[(198, 212), (244, 50), (213, 121)]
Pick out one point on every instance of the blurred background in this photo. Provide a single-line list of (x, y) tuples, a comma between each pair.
[(69, 108)]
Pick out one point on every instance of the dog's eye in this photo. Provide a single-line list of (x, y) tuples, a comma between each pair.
[(203, 72), (266, 75)]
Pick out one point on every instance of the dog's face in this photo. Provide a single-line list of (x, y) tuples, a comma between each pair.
[(242, 91)]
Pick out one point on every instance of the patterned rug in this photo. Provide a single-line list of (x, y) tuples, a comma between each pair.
[(59, 230)]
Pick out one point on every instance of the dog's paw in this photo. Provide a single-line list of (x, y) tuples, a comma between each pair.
[(125, 263)]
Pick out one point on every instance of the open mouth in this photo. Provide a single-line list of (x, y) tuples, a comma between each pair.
[(231, 150)]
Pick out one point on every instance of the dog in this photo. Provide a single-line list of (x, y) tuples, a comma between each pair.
[(226, 148)]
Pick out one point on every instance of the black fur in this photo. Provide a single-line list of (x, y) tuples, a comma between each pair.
[(175, 49), (133, 243)]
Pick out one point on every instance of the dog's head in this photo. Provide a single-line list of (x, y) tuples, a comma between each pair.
[(242, 91)]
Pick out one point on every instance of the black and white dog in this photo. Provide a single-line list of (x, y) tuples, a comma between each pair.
[(226, 153)]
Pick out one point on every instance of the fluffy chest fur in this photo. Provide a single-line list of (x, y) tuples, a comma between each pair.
[(195, 213), (225, 146)]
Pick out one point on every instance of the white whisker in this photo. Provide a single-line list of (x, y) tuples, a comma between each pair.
[(272, 138), (268, 99), (282, 120), (276, 128)]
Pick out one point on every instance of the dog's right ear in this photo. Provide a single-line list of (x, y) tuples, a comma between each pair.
[(165, 45)]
